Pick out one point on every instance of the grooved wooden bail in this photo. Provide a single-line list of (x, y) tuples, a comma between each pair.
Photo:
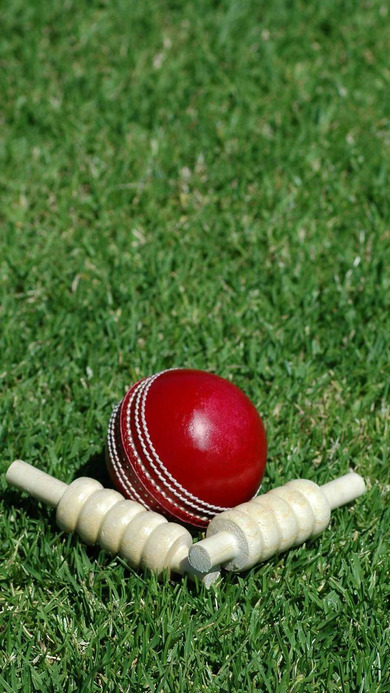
[(271, 523), (143, 538)]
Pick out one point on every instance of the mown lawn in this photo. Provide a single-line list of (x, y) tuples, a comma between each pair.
[(200, 185)]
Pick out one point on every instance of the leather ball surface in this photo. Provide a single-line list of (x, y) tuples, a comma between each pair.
[(188, 444)]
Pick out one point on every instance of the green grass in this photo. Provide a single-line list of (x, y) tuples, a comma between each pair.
[(201, 185)]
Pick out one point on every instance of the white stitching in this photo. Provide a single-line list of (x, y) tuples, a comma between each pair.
[(199, 504), (114, 457), (190, 514)]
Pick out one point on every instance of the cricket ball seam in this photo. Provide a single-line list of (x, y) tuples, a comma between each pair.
[(205, 505), (188, 512), (124, 464), (181, 497), (114, 457), (199, 504)]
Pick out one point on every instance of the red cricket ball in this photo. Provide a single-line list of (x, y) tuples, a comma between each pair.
[(188, 444)]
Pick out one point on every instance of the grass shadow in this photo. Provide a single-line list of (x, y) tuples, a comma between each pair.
[(95, 467)]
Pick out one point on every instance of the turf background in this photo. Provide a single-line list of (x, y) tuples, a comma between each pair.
[(200, 185)]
